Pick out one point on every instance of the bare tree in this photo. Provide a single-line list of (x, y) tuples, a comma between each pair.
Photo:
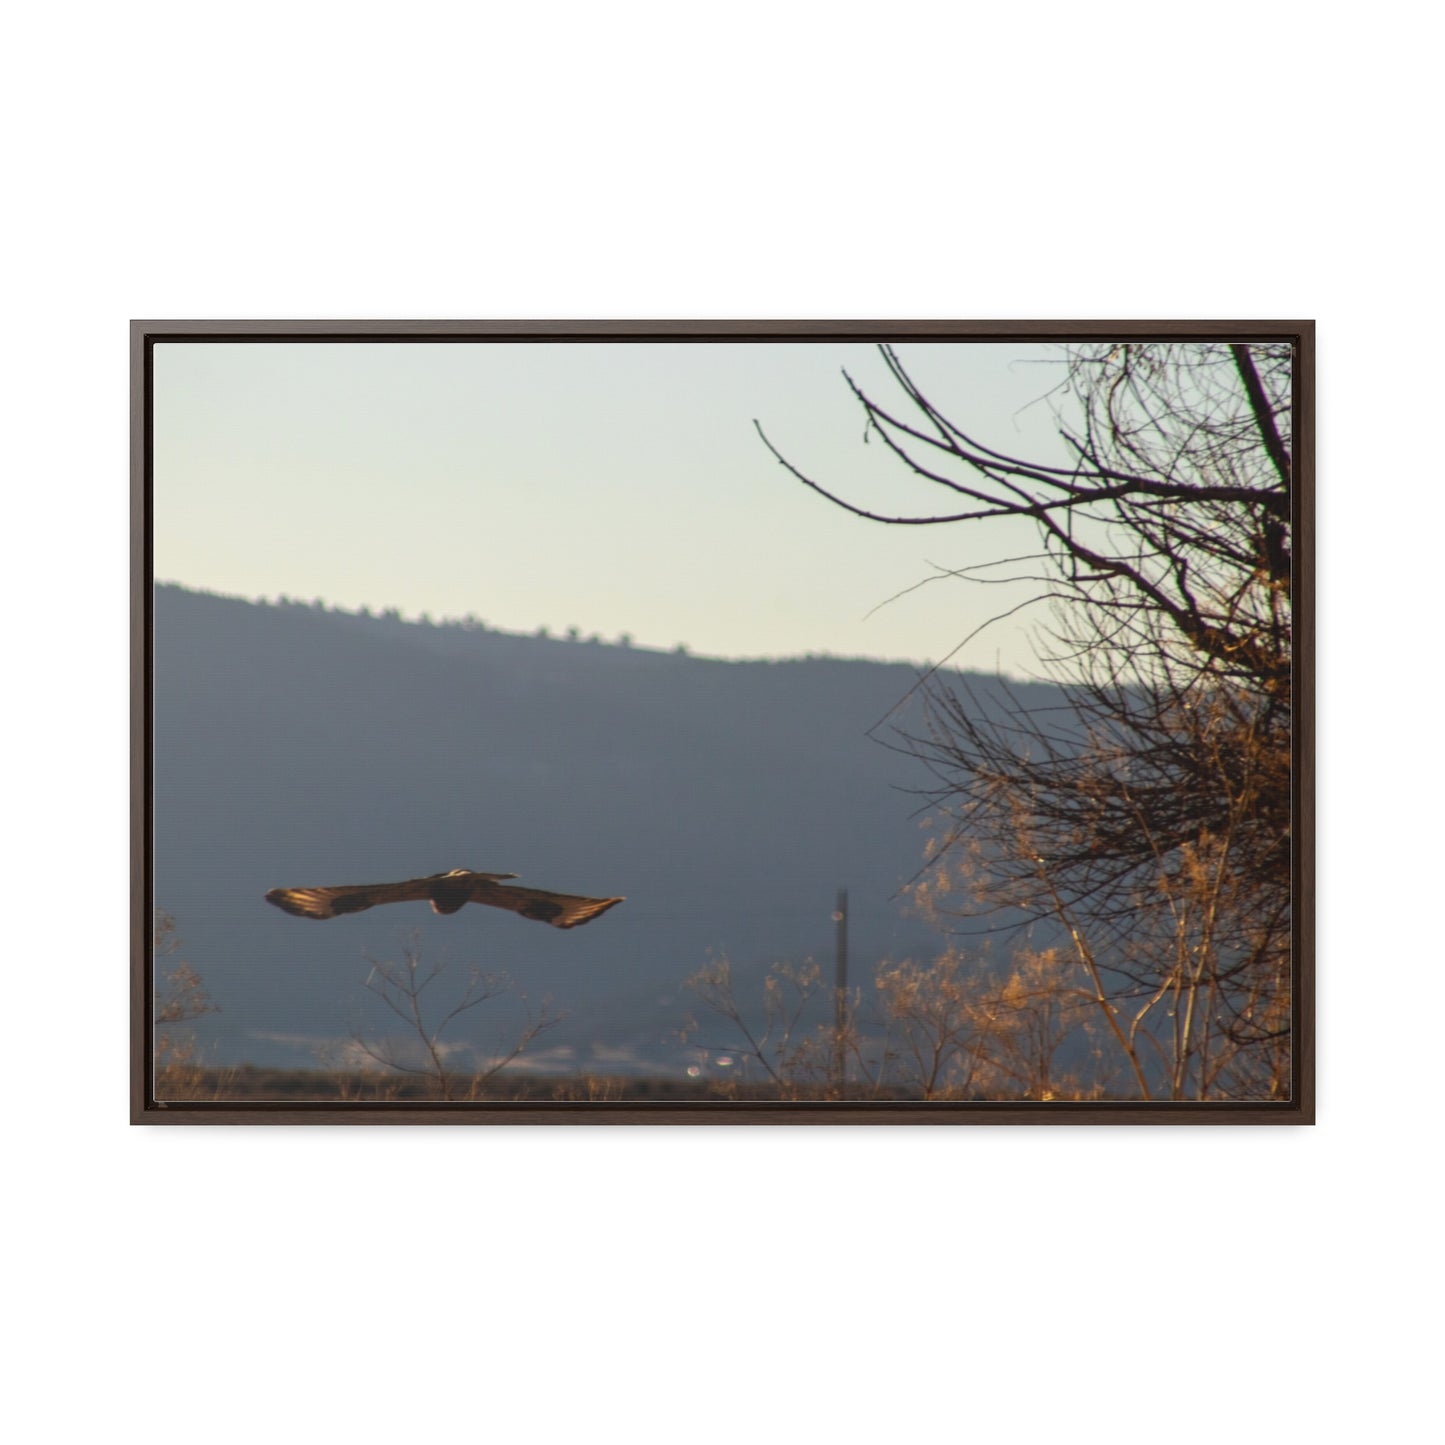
[(422, 1051), (793, 1055), (1174, 514), (931, 1026), (1147, 813), (180, 999), (1023, 1021)]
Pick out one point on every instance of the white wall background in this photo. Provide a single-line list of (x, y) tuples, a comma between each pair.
[(646, 160)]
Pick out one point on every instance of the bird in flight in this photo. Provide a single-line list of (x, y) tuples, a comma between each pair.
[(446, 892)]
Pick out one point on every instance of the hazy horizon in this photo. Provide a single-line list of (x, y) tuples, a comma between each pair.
[(583, 636)]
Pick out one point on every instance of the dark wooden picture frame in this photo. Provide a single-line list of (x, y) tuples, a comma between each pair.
[(1296, 1106)]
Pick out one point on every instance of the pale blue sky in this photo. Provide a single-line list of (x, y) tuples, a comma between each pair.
[(617, 488)]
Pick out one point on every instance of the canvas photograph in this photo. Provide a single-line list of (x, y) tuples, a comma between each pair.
[(723, 722)]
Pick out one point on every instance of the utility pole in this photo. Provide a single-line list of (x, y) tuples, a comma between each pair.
[(840, 996)]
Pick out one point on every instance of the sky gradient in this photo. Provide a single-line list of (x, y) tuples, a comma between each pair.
[(618, 488)]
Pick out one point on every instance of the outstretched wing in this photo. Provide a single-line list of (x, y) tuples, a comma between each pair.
[(561, 910), (333, 902), (446, 892)]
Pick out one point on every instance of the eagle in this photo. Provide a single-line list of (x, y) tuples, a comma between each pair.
[(447, 892)]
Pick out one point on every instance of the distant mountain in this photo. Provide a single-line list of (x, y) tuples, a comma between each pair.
[(728, 801)]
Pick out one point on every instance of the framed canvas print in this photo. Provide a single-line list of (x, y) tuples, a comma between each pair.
[(722, 722)]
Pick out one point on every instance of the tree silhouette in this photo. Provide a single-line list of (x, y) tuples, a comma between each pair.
[(1149, 816)]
